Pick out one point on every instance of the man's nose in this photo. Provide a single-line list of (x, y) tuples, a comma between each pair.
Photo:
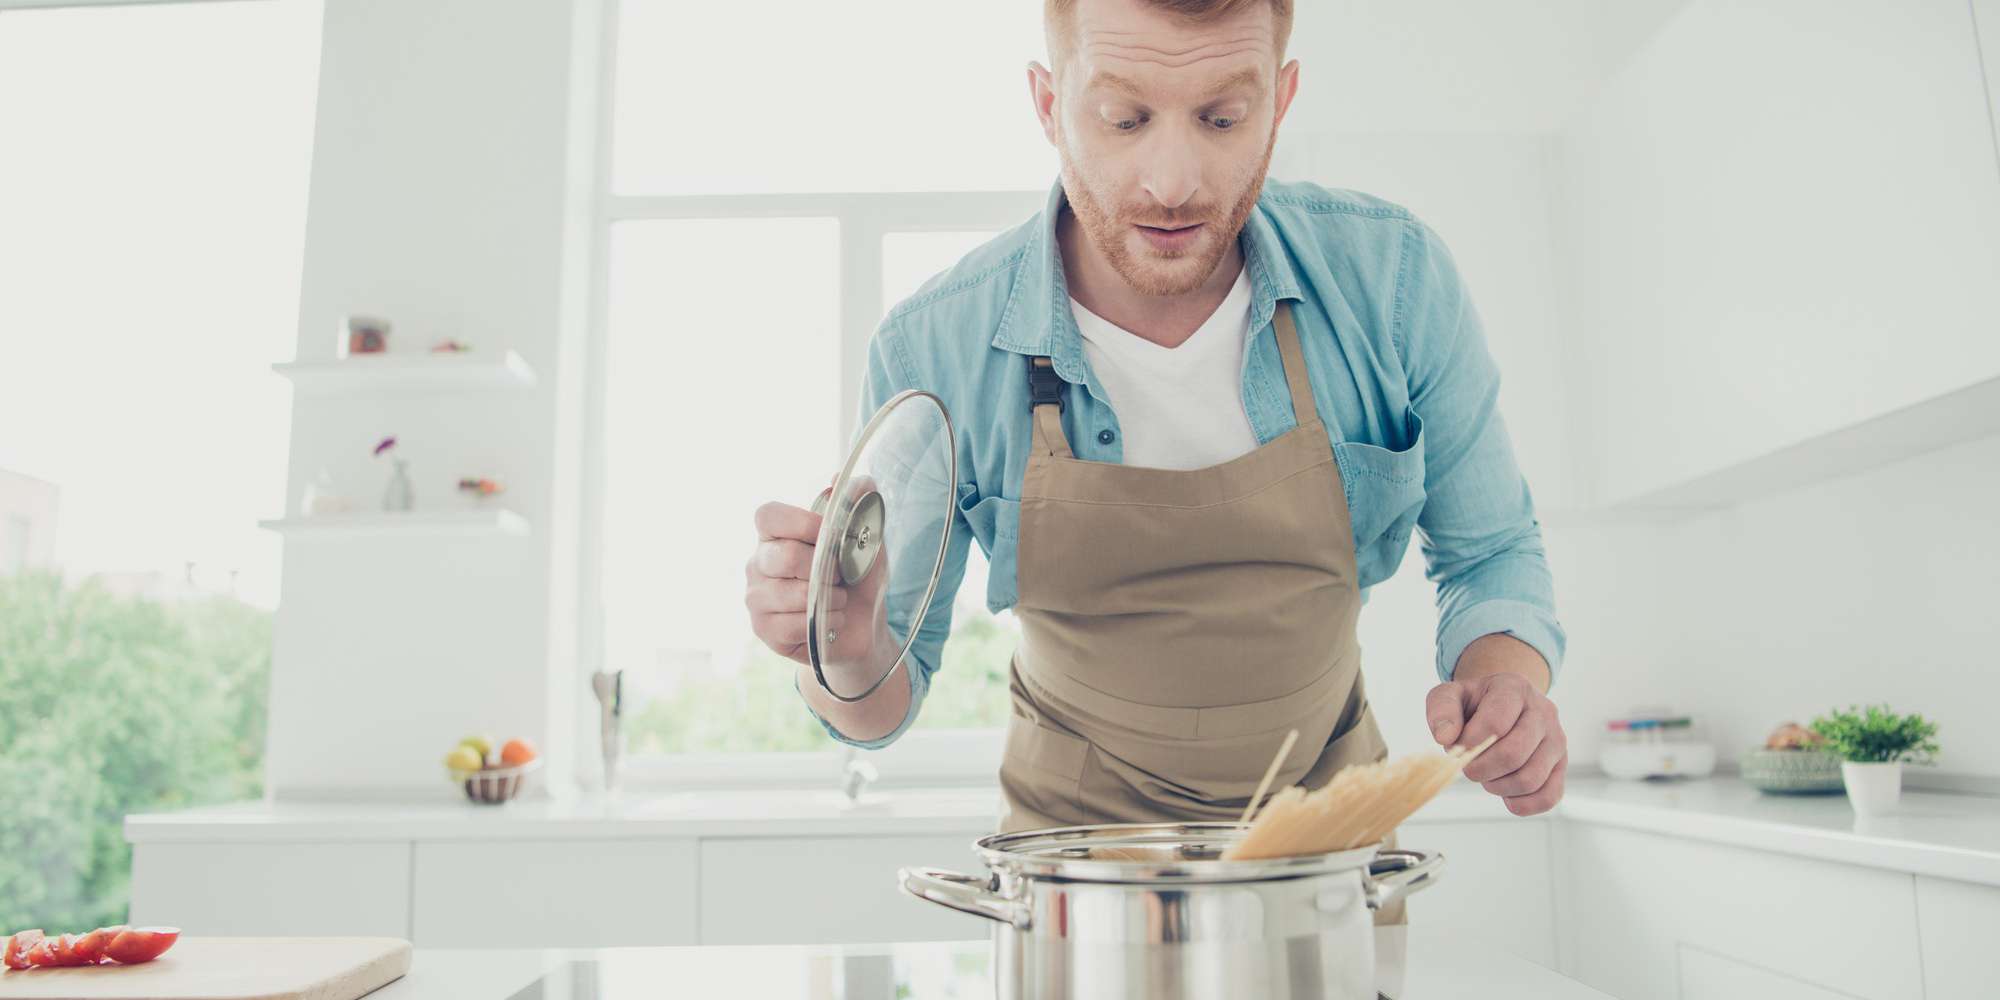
[(1172, 173)]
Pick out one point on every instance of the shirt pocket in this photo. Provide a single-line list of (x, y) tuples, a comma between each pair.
[(1385, 493), (995, 523)]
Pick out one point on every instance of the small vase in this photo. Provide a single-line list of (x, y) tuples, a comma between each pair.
[(1872, 789), (400, 495)]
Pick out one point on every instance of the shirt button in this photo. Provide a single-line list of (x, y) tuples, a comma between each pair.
[(1106, 436)]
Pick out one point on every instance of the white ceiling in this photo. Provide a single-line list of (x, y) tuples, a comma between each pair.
[(1461, 65)]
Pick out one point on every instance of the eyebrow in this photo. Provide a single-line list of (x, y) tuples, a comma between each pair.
[(1241, 78)]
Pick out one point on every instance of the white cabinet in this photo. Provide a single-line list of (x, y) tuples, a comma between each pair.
[(1636, 904), (1987, 13), (1780, 219), (1708, 976), (256, 889), (799, 890), (1495, 886), (1960, 928), (554, 893)]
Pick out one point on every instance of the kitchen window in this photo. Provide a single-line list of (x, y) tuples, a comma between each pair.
[(154, 220), (755, 222)]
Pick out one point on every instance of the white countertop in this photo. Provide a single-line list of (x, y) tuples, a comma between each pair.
[(1416, 965), (747, 813), (1946, 835), (1931, 833)]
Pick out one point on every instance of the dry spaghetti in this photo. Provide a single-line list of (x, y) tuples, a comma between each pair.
[(1360, 806)]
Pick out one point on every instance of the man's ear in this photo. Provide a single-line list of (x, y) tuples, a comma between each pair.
[(1288, 88), (1042, 89)]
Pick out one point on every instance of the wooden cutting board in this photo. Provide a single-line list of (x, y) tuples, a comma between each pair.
[(220, 968)]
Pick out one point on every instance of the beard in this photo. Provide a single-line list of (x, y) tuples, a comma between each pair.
[(1162, 272)]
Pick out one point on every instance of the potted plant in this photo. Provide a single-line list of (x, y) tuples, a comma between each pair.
[(1873, 743)]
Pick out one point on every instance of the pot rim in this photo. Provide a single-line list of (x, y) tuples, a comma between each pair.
[(1057, 854)]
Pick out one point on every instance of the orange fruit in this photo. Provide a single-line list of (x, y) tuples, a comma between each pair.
[(516, 753)]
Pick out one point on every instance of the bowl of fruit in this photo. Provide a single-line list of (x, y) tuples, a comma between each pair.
[(492, 778), (1792, 761)]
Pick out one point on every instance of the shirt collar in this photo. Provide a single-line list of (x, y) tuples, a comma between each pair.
[(1037, 320)]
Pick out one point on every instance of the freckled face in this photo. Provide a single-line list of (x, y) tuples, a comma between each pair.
[(1165, 129)]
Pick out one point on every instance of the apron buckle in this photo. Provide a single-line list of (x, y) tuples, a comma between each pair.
[(1044, 385)]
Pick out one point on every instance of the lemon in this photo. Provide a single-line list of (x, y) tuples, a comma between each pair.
[(464, 758)]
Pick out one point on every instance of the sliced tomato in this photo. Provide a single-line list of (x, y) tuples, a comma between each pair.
[(43, 954), (90, 947), (141, 944), (64, 951), (17, 948)]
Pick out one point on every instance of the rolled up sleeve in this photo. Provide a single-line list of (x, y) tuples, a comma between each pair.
[(1481, 543), (889, 373)]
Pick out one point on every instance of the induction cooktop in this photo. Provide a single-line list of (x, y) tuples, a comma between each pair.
[(943, 971)]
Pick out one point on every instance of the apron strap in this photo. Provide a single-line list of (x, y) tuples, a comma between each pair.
[(1045, 400), (1294, 358)]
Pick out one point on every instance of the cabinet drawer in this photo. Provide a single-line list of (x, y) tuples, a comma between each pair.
[(1708, 976), (828, 890), (257, 890), (1959, 923), (1633, 899), (555, 893)]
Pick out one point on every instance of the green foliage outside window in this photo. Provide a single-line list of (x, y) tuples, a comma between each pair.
[(758, 710), (111, 705)]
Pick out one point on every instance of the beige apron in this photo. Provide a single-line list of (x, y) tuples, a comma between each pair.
[(1174, 624)]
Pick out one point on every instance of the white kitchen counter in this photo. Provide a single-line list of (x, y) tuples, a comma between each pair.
[(707, 813), (1944, 835), (1414, 966), (1950, 836), (768, 812)]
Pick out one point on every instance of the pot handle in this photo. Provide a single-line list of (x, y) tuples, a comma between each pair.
[(1396, 873), (965, 894)]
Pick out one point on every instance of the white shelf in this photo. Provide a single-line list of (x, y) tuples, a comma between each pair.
[(1956, 417), (494, 521), (469, 370)]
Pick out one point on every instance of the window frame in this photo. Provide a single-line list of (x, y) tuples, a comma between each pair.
[(919, 757)]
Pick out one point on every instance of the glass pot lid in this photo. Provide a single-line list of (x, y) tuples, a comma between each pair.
[(885, 522)]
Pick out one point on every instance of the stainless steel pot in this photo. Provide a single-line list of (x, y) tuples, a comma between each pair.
[(1150, 910)]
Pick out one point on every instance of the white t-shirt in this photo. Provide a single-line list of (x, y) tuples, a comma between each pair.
[(1178, 407)]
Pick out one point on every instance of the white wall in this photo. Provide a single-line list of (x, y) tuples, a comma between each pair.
[(1780, 218), (1749, 258), (1674, 283), (1878, 587), (444, 197)]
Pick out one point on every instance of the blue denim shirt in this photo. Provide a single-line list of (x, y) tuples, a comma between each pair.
[(1399, 368)]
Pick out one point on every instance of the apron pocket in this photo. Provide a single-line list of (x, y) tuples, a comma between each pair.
[(1361, 744), (1042, 767)]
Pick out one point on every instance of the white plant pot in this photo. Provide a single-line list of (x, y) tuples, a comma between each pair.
[(1872, 788)]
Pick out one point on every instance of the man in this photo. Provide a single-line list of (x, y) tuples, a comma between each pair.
[(1198, 414)]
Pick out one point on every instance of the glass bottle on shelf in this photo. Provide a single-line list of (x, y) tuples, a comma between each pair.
[(401, 494)]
